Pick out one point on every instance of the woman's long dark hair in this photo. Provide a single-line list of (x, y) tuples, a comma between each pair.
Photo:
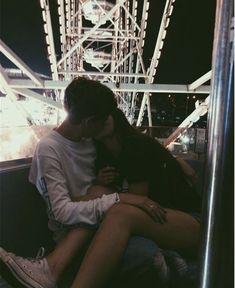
[(123, 129), (121, 125)]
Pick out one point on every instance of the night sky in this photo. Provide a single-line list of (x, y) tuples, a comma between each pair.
[(186, 54)]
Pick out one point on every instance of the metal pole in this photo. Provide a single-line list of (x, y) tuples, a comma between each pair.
[(217, 218)]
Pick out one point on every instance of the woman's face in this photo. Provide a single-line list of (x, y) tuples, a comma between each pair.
[(97, 128)]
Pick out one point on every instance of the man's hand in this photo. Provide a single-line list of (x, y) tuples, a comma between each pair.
[(95, 191), (85, 198)]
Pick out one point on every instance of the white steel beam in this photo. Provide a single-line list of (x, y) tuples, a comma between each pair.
[(124, 87), (100, 73), (189, 121), (100, 38), (133, 20), (19, 63), (155, 59), (15, 72), (62, 20), (144, 102), (160, 39), (123, 60), (140, 52), (115, 42), (32, 94), (49, 38), (4, 82), (200, 81)]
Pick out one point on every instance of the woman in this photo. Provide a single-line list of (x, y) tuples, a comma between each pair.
[(151, 172), (148, 167)]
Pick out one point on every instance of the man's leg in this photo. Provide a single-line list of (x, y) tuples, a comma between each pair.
[(180, 232), (45, 272), (69, 247)]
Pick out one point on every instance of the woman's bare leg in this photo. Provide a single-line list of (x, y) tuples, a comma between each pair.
[(72, 244), (180, 232)]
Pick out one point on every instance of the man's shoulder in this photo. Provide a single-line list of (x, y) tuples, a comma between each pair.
[(48, 141)]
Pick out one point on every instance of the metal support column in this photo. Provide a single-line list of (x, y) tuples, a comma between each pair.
[(216, 269)]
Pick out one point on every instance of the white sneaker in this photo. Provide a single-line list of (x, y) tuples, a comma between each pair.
[(32, 273)]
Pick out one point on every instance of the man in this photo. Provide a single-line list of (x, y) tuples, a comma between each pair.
[(63, 171)]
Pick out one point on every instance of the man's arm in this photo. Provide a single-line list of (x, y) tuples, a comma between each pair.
[(95, 191), (62, 207)]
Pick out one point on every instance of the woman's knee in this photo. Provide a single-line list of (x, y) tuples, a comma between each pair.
[(122, 213)]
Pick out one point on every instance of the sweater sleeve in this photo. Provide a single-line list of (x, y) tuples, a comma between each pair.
[(51, 183)]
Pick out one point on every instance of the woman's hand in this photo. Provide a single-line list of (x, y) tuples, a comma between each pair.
[(106, 176), (153, 209)]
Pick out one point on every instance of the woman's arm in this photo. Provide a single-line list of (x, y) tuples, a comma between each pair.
[(188, 170), (106, 176), (139, 188)]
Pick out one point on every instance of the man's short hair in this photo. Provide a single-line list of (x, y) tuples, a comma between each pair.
[(85, 98)]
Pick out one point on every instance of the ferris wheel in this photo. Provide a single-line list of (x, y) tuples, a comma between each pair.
[(104, 40)]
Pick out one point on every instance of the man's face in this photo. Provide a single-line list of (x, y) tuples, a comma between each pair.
[(97, 127), (92, 126)]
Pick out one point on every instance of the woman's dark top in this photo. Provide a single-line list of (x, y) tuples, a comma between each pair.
[(143, 159)]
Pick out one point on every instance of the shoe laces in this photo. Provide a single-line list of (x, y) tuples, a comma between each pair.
[(39, 256), (41, 253)]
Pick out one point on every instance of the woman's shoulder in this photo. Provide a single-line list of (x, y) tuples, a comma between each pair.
[(143, 146), (144, 140)]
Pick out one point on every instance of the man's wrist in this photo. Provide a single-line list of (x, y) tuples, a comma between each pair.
[(117, 198)]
